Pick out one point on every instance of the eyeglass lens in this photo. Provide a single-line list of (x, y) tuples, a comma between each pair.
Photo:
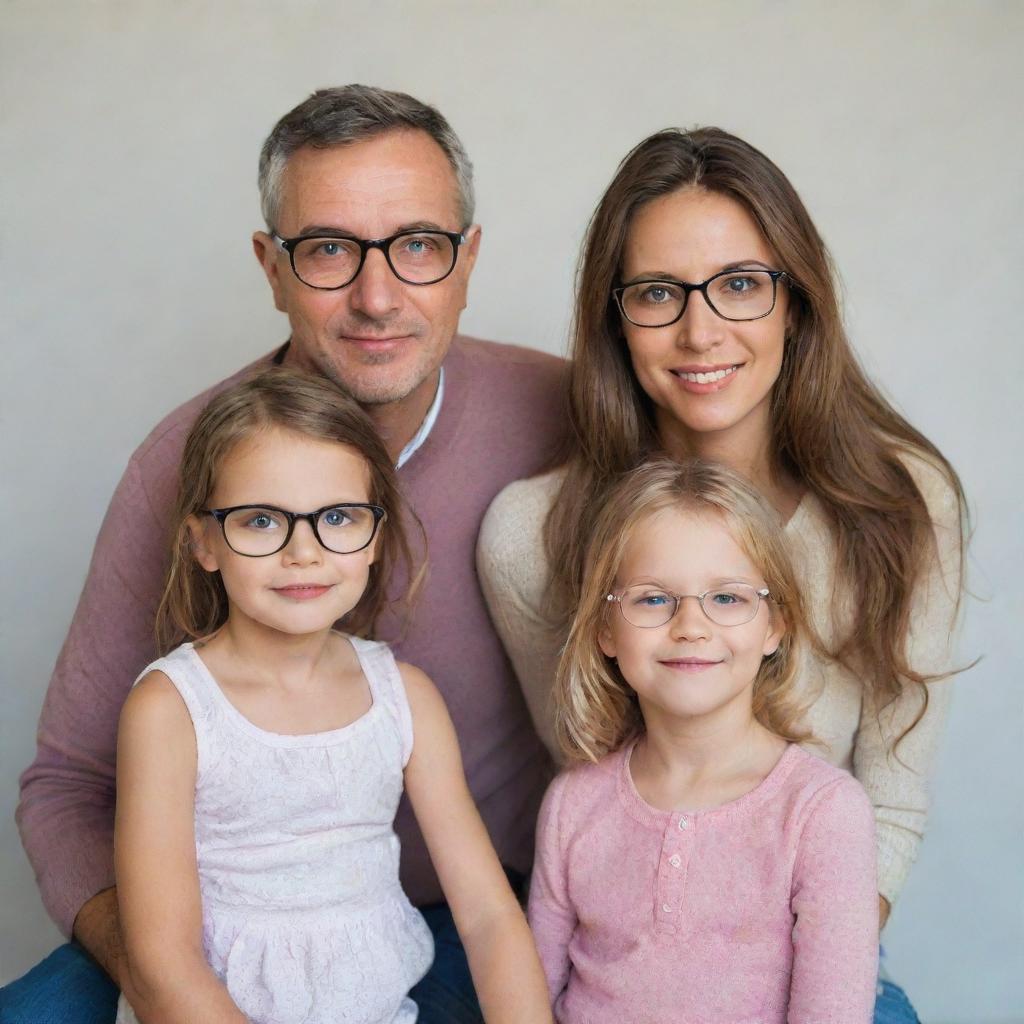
[(263, 531), (739, 295), (730, 605), (419, 258)]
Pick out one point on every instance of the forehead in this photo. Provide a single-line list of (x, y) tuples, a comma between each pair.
[(369, 188), (693, 231), (296, 472), (684, 549)]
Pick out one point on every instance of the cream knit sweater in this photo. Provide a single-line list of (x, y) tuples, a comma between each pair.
[(514, 572)]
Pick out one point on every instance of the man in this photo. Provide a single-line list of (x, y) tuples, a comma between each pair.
[(370, 241)]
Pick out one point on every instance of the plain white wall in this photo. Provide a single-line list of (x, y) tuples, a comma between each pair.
[(129, 137)]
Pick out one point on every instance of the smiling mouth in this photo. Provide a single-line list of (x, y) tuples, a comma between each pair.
[(706, 376), (303, 591)]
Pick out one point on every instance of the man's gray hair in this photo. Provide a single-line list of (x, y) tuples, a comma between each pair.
[(352, 113)]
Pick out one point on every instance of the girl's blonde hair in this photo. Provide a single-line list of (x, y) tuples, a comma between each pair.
[(194, 603), (596, 709)]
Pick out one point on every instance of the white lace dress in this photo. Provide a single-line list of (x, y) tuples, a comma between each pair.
[(304, 918)]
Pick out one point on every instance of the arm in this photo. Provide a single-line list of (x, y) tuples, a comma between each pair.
[(835, 902), (155, 859), (513, 572), (66, 811), (502, 957), (552, 917), (897, 782)]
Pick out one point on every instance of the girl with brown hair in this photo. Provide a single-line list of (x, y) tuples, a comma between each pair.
[(707, 324), (261, 762)]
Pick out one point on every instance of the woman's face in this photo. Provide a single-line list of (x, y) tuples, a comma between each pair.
[(689, 236)]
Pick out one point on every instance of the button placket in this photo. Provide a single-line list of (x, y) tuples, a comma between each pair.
[(677, 841)]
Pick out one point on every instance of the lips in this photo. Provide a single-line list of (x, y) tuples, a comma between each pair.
[(689, 664), (705, 374), (705, 380), (303, 591)]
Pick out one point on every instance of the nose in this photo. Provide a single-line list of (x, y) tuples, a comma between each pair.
[(700, 328), (302, 548), (689, 621), (376, 292)]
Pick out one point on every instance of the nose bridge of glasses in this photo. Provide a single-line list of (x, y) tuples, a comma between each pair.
[(304, 532)]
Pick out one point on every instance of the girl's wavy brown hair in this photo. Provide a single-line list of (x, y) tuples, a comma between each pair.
[(194, 603), (832, 430), (596, 709)]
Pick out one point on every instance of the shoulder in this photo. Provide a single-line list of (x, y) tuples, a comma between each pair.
[(823, 790), (155, 708), (425, 700), (523, 505), (936, 486), (522, 382), (511, 548), (492, 357), (582, 793)]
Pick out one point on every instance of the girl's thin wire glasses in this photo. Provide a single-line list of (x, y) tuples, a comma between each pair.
[(258, 530), (648, 606)]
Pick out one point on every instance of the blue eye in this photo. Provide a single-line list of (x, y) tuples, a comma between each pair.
[(657, 294), (651, 599), (336, 517), (261, 520)]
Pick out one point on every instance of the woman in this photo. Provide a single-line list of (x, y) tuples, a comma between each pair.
[(707, 324)]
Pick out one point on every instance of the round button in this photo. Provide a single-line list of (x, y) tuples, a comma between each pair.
[(683, 824), (675, 860)]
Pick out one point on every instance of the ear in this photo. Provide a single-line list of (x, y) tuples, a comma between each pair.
[(267, 254), (199, 540), (606, 642), (373, 551), (775, 634), (472, 245)]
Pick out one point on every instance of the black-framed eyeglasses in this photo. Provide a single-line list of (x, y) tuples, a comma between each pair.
[(329, 261), (647, 605), (258, 530), (731, 294)]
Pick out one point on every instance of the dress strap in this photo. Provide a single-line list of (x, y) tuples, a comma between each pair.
[(386, 686), (193, 682)]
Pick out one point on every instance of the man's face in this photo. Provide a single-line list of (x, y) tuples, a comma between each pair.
[(382, 340)]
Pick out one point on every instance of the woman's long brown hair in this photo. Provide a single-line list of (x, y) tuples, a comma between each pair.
[(832, 430), (194, 603)]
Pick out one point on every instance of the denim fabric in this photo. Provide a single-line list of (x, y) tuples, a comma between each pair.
[(68, 987), (892, 1005)]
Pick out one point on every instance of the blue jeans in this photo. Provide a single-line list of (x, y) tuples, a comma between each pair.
[(68, 987)]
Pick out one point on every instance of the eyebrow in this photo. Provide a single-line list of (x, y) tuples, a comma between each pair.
[(333, 231), (665, 275), (721, 581)]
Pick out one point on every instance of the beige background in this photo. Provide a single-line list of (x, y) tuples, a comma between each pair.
[(129, 139)]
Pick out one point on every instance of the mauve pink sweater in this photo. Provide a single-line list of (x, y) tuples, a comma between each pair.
[(501, 419), (761, 911)]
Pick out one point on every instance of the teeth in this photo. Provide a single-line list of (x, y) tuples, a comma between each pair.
[(707, 378)]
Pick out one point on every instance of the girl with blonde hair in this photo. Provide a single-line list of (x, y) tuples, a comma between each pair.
[(695, 863)]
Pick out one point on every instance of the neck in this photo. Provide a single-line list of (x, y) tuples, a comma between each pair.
[(398, 421), (745, 448), (268, 655), (702, 746)]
